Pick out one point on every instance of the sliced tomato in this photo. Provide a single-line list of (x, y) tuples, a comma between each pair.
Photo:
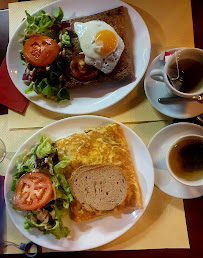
[(81, 71), (33, 191), (40, 50)]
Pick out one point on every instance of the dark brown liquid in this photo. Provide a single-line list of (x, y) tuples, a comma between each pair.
[(186, 158), (190, 74)]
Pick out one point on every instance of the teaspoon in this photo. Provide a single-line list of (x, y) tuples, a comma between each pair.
[(175, 99)]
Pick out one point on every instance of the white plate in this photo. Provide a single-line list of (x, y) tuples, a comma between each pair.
[(155, 90), (87, 235), (88, 100), (158, 148)]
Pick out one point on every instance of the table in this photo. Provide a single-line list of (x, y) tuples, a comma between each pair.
[(193, 208)]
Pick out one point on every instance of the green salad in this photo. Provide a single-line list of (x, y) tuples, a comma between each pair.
[(28, 185), (45, 62)]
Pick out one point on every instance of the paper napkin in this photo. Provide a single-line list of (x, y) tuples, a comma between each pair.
[(9, 95)]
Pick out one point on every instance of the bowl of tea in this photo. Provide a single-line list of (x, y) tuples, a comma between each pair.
[(185, 160)]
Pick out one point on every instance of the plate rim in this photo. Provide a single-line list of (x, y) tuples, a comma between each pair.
[(93, 108), (104, 119), (150, 143)]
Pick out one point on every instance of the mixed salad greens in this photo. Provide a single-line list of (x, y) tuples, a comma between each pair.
[(47, 218), (47, 80)]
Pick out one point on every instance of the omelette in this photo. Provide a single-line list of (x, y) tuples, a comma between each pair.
[(104, 145)]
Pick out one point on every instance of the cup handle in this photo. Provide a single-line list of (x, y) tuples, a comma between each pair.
[(157, 75)]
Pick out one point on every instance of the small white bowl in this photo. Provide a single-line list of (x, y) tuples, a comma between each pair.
[(198, 182)]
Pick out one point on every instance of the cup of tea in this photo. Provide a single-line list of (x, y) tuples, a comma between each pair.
[(182, 73), (185, 160)]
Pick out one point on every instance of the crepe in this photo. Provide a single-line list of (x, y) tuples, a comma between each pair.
[(103, 145), (124, 73)]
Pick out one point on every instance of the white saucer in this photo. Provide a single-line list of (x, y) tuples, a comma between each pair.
[(155, 90), (158, 148)]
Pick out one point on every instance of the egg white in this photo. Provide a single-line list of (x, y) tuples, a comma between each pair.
[(86, 33)]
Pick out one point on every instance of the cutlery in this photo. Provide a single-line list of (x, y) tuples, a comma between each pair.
[(175, 99)]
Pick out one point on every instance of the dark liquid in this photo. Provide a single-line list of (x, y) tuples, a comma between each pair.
[(186, 159), (190, 75)]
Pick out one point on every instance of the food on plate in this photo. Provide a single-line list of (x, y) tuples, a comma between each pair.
[(41, 191), (104, 41), (94, 151), (87, 174), (33, 191), (40, 50), (44, 42), (86, 51), (81, 70), (100, 44)]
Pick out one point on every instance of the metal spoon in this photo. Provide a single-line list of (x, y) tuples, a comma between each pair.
[(175, 99)]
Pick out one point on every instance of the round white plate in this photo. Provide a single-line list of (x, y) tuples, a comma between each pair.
[(155, 90), (88, 100), (158, 148), (91, 234)]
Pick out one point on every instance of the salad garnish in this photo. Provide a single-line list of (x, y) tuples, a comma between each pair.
[(42, 192), (44, 41)]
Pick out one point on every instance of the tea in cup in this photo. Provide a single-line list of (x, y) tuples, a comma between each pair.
[(185, 160), (182, 73)]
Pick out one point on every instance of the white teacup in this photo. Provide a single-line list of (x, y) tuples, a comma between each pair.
[(182, 73), (185, 160)]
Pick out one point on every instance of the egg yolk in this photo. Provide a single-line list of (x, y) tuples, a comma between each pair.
[(106, 39)]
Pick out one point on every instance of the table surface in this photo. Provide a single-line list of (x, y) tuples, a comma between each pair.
[(193, 208)]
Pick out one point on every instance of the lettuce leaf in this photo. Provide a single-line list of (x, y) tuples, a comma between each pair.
[(43, 157), (30, 88), (49, 84), (58, 230), (58, 15), (63, 94), (61, 164), (66, 39), (27, 226), (54, 227), (41, 22), (22, 167), (61, 184), (45, 148)]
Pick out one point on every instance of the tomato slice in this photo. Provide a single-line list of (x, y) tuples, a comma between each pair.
[(81, 71), (33, 191), (40, 50)]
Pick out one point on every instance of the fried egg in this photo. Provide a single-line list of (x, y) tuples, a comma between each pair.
[(100, 43)]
